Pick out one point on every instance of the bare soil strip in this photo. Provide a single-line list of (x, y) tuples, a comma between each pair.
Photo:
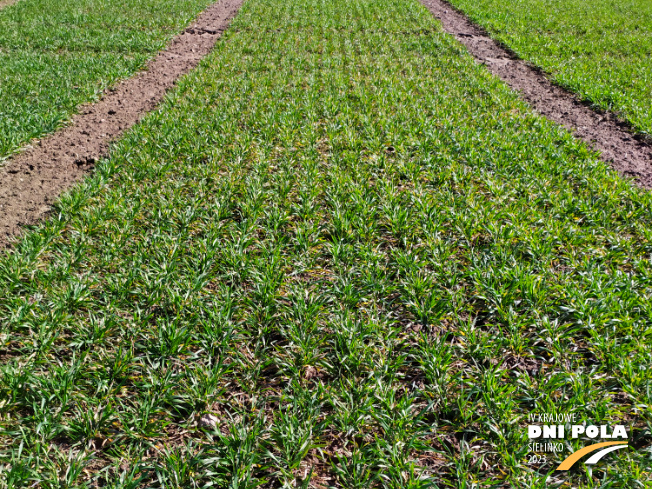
[(32, 180), (6, 3), (629, 155)]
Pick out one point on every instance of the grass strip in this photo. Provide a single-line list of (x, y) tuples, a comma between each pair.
[(56, 55), (341, 254), (601, 50)]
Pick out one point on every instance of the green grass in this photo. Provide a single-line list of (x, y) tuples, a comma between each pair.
[(56, 55), (356, 249), (601, 49)]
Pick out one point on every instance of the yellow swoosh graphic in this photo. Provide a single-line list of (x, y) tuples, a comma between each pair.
[(574, 457)]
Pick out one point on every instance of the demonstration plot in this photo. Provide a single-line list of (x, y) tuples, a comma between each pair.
[(341, 254), (57, 55), (602, 50)]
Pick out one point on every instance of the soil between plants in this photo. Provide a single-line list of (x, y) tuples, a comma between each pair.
[(6, 3), (627, 154), (31, 181)]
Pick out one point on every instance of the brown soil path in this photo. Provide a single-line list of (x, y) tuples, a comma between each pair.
[(629, 155), (32, 180), (6, 3)]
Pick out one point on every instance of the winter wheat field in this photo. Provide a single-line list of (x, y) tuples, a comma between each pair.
[(325, 244)]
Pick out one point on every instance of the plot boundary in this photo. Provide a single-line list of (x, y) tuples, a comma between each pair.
[(32, 180), (627, 153)]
